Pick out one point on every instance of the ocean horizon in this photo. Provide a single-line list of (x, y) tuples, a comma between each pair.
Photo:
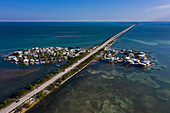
[(153, 37)]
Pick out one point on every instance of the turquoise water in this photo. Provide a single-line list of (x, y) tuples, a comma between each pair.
[(151, 37), (106, 88), (100, 88), (26, 35), (18, 36)]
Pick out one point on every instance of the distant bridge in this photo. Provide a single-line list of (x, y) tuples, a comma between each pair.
[(108, 43)]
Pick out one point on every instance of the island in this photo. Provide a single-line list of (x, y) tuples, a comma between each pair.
[(45, 55), (126, 57), (26, 98), (59, 54)]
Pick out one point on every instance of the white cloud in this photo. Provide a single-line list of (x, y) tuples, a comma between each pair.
[(167, 6)]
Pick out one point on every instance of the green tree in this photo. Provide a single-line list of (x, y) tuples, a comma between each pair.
[(31, 87), (39, 95), (16, 54), (26, 105), (21, 92), (1, 106), (8, 101)]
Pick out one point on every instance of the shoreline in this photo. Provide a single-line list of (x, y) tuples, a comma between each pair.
[(75, 66), (35, 103)]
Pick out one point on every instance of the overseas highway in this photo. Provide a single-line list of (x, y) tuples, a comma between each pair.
[(44, 85)]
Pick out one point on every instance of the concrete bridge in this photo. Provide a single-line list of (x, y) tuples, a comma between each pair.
[(14, 105)]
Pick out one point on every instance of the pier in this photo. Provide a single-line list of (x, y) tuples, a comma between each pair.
[(24, 98)]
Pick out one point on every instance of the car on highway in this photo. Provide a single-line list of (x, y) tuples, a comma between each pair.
[(64, 70), (17, 101)]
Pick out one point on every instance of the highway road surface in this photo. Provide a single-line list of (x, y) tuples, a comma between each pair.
[(44, 85)]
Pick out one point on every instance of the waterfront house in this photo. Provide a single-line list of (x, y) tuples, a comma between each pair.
[(26, 53), (37, 62), (51, 48), (142, 53), (127, 58), (37, 51), (135, 60), (44, 49), (20, 52), (130, 50), (10, 57), (141, 56), (116, 58), (141, 64), (20, 55), (58, 48), (32, 60), (130, 61), (25, 61), (106, 59), (15, 59), (146, 62), (131, 55)]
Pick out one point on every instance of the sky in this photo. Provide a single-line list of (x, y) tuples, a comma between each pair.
[(84, 10)]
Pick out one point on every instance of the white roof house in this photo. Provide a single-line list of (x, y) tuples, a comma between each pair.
[(130, 61), (15, 59), (116, 58), (135, 60), (26, 53), (142, 64), (127, 58), (10, 57), (131, 55), (129, 50), (20, 52), (141, 55), (20, 55), (26, 60), (32, 60), (146, 62)]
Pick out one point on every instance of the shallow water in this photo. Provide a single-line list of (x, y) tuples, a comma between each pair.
[(18, 36), (106, 88)]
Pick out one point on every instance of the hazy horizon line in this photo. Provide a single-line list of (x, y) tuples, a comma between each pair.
[(82, 21)]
